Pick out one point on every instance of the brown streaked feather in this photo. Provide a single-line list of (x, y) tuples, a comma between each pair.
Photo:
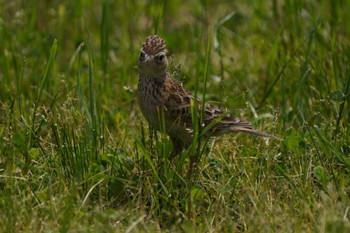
[(178, 108), (153, 45)]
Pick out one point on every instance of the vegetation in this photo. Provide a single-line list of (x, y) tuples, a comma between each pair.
[(76, 155)]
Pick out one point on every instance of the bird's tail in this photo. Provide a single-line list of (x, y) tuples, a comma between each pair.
[(253, 132)]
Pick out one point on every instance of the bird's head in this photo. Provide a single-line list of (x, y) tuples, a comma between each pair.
[(152, 58)]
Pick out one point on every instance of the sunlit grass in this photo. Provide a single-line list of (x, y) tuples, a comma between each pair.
[(77, 155)]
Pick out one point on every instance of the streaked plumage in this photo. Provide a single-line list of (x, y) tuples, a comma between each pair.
[(160, 96)]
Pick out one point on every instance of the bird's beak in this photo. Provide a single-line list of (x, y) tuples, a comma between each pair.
[(147, 58)]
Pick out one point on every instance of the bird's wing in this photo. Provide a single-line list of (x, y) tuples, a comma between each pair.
[(178, 104), (216, 121), (220, 121)]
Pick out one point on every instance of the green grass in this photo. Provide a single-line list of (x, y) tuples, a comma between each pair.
[(76, 155)]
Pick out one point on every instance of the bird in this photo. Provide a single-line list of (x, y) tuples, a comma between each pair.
[(168, 106)]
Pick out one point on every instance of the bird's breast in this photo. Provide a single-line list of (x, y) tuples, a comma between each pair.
[(150, 99)]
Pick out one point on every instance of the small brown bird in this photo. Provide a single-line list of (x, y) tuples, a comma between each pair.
[(166, 104)]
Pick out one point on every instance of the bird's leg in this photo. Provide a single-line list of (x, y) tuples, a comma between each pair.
[(189, 178), (192, 164), (177, 148)]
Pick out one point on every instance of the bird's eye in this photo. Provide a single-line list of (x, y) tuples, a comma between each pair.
[(160, 59), (142, 56)]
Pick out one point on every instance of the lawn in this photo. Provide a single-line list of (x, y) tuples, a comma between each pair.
[(76, 154)]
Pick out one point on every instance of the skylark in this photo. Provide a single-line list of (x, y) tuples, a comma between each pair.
[(166, 104)]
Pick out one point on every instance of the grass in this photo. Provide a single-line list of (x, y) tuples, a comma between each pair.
[(76, 155)]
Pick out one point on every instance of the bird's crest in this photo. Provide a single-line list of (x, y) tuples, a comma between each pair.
[(153, 45)]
